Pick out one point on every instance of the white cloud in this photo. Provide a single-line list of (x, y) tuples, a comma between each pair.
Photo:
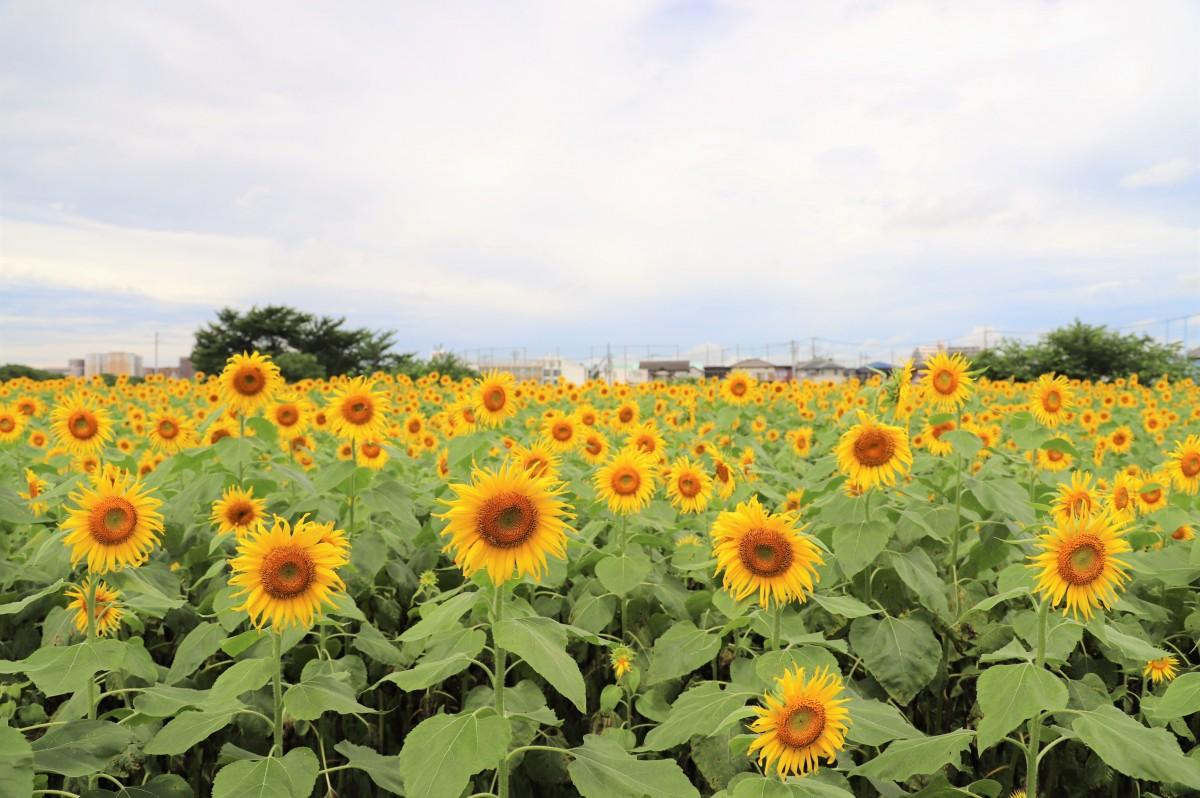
[(1166, 173)]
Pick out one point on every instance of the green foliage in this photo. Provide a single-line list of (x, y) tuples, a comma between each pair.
[(13, 371), (1085, 352)]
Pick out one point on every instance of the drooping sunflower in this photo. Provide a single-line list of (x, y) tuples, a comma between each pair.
[(358, 412), (249, 382), (170, 433), (107, 612), (35, 486), (1077, 498), (872, 453), (237, 511), (723, 477), (80, 427), (12, 424), (1162, 669), (689, 487), (946, 380), (626, 482), (115, 523), (1122, 496), (506, 521), (931, 436), (495, 399), (288, 575), (738, 387), (1050, 398), (762, 552), (1183, 464), (802, 721), (1079, 564)]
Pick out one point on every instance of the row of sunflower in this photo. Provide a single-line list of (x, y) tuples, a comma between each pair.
[(375, 585)]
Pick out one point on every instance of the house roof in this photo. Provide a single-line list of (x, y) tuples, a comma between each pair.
[(817, 364), (664, 365), (753, 363)]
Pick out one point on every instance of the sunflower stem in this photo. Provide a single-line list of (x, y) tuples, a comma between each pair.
[(498, 684), (955, 533), (90, 609), (277, 653), (241, 435), (353, 482), (775, 627), (1035, 723)]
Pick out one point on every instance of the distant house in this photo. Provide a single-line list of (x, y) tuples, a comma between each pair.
[(821, 369), (667, 370), (868, 371)]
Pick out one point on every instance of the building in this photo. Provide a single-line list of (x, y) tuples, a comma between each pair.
[(115, 363), (667, 370), (75, 367), (184, 371), (821, 369), (868, 371), (546, 370), (923, 353)]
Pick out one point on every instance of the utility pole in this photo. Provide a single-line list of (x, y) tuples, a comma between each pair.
[(985, 333), (812, 347), (156, 351), (792, 344)]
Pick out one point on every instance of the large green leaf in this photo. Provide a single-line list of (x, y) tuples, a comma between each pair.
[(601, 768), (770, 787), (16, 763), (901, 653), (291, 776), (383, 770), (439, 617), (80, 748), (1182, 697), (442, 753), (242, 677), (846, 606), (856, 545), (703, 709), (681, 649), (1130, 748), (427, 674), (189, 728), (542, 644), (1134, 648), (14, 607), (917, 570), (622, 573), (875, 723), (67, 669), (1010, 694), (199, 644), (319, 693), (904, 759)]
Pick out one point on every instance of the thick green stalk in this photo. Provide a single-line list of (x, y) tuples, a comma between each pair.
[(956, 532), (241, 435), (277, 652), (353, 482), (1035, 723), (775, 630), (498, 685), (90, 609)]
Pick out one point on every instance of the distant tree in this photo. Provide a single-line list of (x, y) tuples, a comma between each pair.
[(444, 363), (12, 371), (1086, 352), (304, 344)]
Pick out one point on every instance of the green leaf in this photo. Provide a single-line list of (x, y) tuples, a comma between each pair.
[(16, 763), (875, 723), (440, 617), (1182, 697), (320, 693), (681, 649), (1130, 748), (991, 601), (704, 709), (189, 728), (768, 787), (383, 770), (917, 570), (1010, 694), (199, 644), (771, 665), (292, 776), (622, 573), (601, 768), (80, 748), (901, 653), (242, 677), (442, 753), (904, 759), (857, 545), (1132, 647), (965, 443), (14, 607), (66, 669), (426, 674), (846, 606), (371, 642), (542, 644)]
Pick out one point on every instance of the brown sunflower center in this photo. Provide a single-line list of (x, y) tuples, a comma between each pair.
[(1189, 464), (371, 450), (802, 725), (507, 520), (287, 571), (1152, 496), (562, 432), (722, 472), (1052, 401), (287, 415), (494, 399), (1054, 455), (626, 481), (874, 448), (1118, 439), (249, 380), (945, 381), (1121, 497), (689, 485), (240, 513), (218, 434), (358, 409), (625, 414), (7, 424), (765, 552), (1081, 560), (1181, 533), (112, 520), (82, 425), (593, 446), (738, 388), (167, 429)]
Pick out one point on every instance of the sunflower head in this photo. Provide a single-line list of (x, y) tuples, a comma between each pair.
[(249, 382), (947, 381), (495, 398), (627, 481), (114, 523), (1079, 566), (1162, 669), (358, 412), (738, 387), (107, 612), (622, 658), (12, 424), (238, 511), (1183, 464), (689, 487), (81, 427), (802, 721), (1077, 498), (762, 552), (872, 453), (1050, 399)]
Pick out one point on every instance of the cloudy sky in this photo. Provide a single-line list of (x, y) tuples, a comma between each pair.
[(565, 175)]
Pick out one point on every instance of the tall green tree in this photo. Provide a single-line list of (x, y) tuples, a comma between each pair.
[(1086, 352)]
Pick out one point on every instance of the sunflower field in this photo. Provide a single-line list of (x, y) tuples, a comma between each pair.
[(925, 584)]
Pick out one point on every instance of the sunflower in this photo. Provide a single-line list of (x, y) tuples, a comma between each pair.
[(107, 613), (723, 477), (764, 552), (249, 382), (793, 500), (1183, 464), (169, 433), (1121, 439), (738, 387), (646, 438), (802, 721), (1152, 492), (12, 424), (947, 381), (1077, 498), (539, 459), (1079, 565), (689, 487), (115, 523), (1054, 459), (358, 412), (1183, 533), (504, 521), (80, 427), (287, 575), (1162, 669), (627, 481), (872, 453), (801, 441), (289, 415), (1122, 496), (622, 661), (35, 486), (495, 399), (334, 537), (1050, 398), (932, 434), (561, 432), (239, 512), (627, 415), (371, 454), (595, 447)]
